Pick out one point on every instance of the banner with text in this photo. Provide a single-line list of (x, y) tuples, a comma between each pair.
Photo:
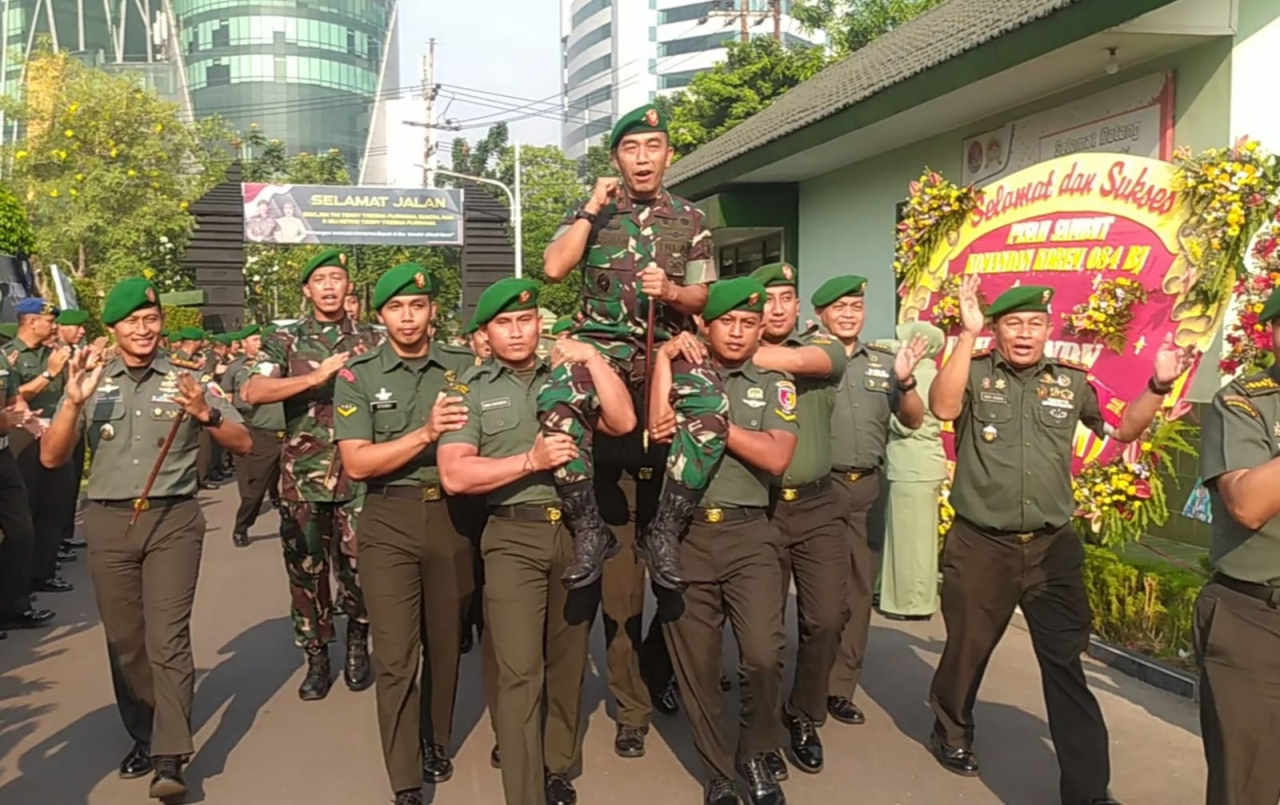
[(1072, 224), (362, 216)]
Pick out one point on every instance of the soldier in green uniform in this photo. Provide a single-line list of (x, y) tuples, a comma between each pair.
[(537, 627), (731, 553), (40, 371), (1238, 612), (70, 335), (187, 352), (1015, 412), (638, 246), (144, 544), (320, 500), (258, 474), (415, 560), (877, 384)]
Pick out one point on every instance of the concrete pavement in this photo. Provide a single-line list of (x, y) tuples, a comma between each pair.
[(257, 744)]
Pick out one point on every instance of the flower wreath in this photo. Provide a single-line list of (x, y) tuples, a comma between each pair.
[(1108, 313)]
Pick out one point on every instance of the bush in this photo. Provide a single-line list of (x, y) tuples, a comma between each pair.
[(1147, 607), (175, 318), (16, 235)]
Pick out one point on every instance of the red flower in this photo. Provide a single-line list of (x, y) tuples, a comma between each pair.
[(1144, 489)]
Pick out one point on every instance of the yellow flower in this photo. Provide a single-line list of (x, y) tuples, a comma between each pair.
[(159, 128), (22, 155), (115, 152), (183, 206), (79, 177), (74, 192), (132, 173), (74, 107), (69, 133), (148, 273), (54, 192)]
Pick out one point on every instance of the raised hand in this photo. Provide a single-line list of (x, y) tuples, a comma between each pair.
[(84, 372), (551, 451), (570, 350), (58, 360), (971, 316), (1172, 361), (605, 191), (909, 356), (190, 397)]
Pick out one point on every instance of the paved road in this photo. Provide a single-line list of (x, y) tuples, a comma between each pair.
[(257, 744)]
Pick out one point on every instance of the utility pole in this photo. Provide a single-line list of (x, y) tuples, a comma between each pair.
[(429, 95), (741, 10)]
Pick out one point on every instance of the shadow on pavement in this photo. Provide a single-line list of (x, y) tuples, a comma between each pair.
[(67, 766)]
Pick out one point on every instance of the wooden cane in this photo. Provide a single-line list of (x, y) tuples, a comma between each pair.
[(648, 373)]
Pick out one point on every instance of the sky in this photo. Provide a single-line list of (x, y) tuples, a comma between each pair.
[(508, 47)]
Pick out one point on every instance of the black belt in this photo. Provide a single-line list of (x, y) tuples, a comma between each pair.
[(1021, 537), (538, 514), (805, 491), (1263, 592), (149, 503), (410, 492), (716, 515), (852, 474)]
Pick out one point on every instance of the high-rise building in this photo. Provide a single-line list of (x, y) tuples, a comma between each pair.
[(620, 54), (310, 73)]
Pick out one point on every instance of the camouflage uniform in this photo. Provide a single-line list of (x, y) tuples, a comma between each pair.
[(318, 500)]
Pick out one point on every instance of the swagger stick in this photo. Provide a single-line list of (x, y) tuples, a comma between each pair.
[(648, 374), (140, 505)]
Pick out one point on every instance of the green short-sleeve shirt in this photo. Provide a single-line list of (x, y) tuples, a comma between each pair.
[(866, 397), (1014, 443), (380, 397), (1241, 430), (28, 363), (759, 400), (127, 421), (502, 420), (817, 400)]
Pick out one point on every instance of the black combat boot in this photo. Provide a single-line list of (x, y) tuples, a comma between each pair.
[(660, 548), (593, 541), (358, 672), (315, 686)]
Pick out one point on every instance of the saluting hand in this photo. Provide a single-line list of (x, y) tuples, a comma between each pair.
[(190, 397), (84, 372), (910, 353), (552, 451), (1172, 361), (971, 317), (447, 414)]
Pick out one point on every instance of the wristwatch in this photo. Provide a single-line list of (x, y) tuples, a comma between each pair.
[(1158, 389), (215, 419), (47, 375), (590, 217)]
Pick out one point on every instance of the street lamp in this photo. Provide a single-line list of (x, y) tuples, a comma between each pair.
[(513, 197)]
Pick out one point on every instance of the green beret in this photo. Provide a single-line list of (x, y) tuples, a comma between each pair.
[(1271, 310), (739, 293), (776, 274), (407, 279), (270, 329), (252, 329), (72, 318), (128, 296), (644, 120), (563, 323), (837, 288), (191, 334), (222, 338), (328, 257), (503, 296), (1022, 299), (9, 330)]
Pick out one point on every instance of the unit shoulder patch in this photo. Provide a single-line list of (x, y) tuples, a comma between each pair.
[(1240, 404), (1258, 385)]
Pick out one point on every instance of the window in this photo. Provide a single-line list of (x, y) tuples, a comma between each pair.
[(676, 80), (218, 74), (695, 44), (596, 127), (593, 98), (591, 68), (585, 13), (742, 258), (597, 36), (653, 34), (685, 13), (222, 34)]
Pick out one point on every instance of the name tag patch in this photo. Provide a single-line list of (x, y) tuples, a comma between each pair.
[(992, 397), (873, 371), (1055, 403), (490, 405), (384, 406)]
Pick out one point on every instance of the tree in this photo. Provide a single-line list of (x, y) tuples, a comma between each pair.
[(853, 24), (598, 162), (747, 81), (107, 171), (16, 236), (479, 161)]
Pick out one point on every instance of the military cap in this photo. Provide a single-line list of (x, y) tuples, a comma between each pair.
[(128, 296), (328, 257), (739, 293), (776, 274), (35, 306), (72, 318), (406, 279), (563, 323), (503, 296), (1271, 310), (644, 120), (191, 334), (1022, 299), (270, 329), (221, 338), (837, 288), (252, 329), (9, 330)]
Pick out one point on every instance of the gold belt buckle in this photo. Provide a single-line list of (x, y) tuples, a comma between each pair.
[(431, 492), (280, 434), (553, 514), (714, 515), (1025, 537), (790, 494), (141, 504), (645, 474), (854, 476)]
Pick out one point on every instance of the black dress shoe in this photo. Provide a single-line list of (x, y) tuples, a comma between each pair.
[(436, 765), (57, 584), (495, 757), (31, 619), (168, 782), (845, 711), (240, 539), (719, 791), (137, 763), (74, 544), (762, 786), (665, 701), (409, 797), (65, 555), (560, 790), (806, 747), (629, 742), (957, 761), (777, 765)]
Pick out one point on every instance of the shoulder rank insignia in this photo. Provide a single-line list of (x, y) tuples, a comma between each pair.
[(347, 410), (880, 348), (1072, 365), (980, 353), (1240, 404), (1260, 384)]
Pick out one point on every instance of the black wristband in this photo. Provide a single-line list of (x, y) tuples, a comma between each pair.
[(909, 385), (1155, 389), (590, 217)]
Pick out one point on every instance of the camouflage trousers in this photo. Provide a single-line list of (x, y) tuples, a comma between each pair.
[(568, 403), (314, 536)]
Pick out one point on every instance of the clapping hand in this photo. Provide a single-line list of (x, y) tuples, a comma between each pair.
[(1172, 361), (971, 316)]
